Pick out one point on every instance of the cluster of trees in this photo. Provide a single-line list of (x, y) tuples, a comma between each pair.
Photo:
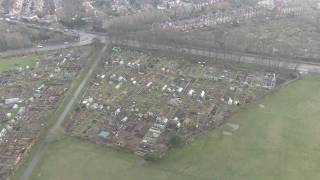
[(135, 22), (13, 41), (73, 23), (17, 37), (174, 141)]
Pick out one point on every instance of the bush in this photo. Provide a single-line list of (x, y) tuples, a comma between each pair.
[(152, 157), (73, 23), (176, 141)]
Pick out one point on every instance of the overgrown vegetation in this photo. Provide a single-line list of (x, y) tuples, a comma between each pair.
[(152, 157), (176, 141), (16, 36), (76, 23)]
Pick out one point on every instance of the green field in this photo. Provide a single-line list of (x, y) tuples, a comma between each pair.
[(280, 141), (10, 63)]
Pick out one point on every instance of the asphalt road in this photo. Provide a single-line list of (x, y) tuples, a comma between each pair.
[(48, 139), (87, 38)]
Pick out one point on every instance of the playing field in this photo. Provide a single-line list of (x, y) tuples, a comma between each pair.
[(279, 141)]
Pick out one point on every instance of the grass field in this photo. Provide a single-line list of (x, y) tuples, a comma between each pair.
[(10, 63), (280, 141)]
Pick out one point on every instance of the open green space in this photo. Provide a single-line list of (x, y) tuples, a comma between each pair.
[(20, 61), (279, 141)]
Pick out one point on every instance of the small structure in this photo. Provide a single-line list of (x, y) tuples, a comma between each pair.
[(12, 101), (104, 134)]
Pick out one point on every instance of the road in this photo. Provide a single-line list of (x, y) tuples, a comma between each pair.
[(86, 38), (20, 52), (48, 139)]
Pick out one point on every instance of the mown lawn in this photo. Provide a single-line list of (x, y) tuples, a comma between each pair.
[(279, 141), (14, 62)]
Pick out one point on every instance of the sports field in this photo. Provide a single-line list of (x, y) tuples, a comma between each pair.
[(277, 140)]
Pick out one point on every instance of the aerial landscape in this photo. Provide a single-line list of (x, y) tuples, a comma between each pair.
[(159, 89)]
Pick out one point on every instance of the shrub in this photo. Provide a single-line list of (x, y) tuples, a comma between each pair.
[(176, 141), (152, 157)]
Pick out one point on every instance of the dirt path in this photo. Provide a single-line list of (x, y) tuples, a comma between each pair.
[(45, 144)]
